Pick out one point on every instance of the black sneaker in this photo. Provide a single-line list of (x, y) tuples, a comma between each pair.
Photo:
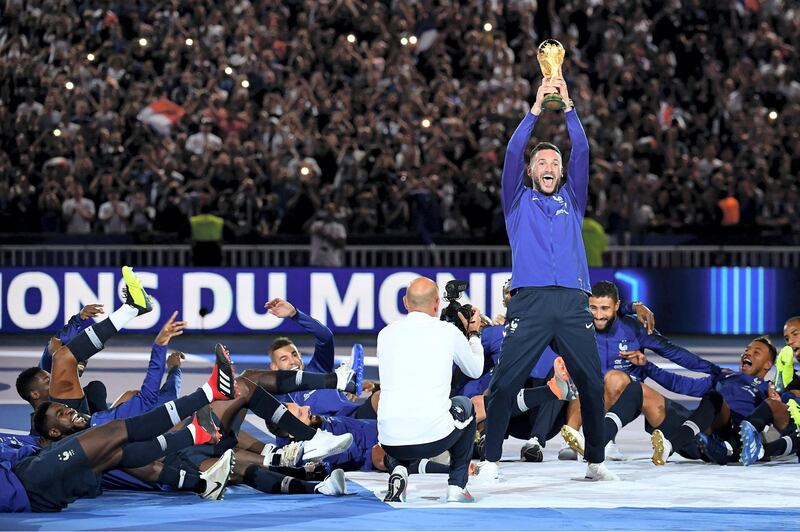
[(398, 484), (531, 451)]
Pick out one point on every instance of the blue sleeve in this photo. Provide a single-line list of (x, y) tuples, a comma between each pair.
[(67, 333), (322, 361), (146, 399), (171, 388), (683, 357), (514, 164), (492, 340), (626, 309), (578, 169), (679, 383)]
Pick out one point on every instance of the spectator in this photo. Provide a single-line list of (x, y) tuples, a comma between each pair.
[(142, 215), (78, 212), (328, 238), (113, 214), (204, 141)]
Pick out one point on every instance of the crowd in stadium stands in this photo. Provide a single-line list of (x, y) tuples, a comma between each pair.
[(392, 117)]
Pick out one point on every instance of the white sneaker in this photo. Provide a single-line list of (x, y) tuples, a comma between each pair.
[(398, 485), (456, 494), (487, 471), (599, 472), (344, 374), (217, 476), (574, 439), (662, 447), (613, 453), (325, 444), (290, 454), (334, 484)]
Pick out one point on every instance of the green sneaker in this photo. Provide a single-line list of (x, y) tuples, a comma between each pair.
[(794, 411), (135, 294), (784, 368)]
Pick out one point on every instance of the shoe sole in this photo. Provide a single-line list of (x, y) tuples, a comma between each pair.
[(702, 445), (657, 439), (571, 440), (561, 374), (358, 367), (224, 369), (397, 489), (135, 288), (220, 464), (341, 447)]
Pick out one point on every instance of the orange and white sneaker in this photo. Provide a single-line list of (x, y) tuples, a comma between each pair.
[(561, 383)]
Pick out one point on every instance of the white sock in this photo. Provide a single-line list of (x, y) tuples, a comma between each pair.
[(209, 392), (120, 317)]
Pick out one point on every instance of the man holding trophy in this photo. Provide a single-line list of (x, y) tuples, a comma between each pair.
[(544, 209)]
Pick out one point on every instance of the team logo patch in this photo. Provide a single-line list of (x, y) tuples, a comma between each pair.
[(511, 327), (66, 455), (623, 345)]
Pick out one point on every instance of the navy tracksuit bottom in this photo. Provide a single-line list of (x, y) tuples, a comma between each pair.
[(538, 317)]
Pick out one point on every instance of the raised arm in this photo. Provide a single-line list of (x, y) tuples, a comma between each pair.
[(468, 354), (514, 164), (76, 324), (578, 168), (322, 361)]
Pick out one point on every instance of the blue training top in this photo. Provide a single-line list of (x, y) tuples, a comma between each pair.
[(545, 232), (327, 402)]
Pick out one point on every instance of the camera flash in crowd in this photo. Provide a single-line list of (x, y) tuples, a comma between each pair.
[(304, 170), (56, 132), (90, 57), (189, 41), (487, 26), (773, 115), (351, 38), (69, 85), (142, 42), (412, 40), (228, 70), (245, 83), (426, 123), (404, 41)]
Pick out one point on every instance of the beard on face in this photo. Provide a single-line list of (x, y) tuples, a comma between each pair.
[(533, 183)]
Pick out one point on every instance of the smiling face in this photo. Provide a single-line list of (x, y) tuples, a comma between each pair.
[(545, 171), (791, 334), (286, 358), (63, 421), (603, 310), (756, 359)]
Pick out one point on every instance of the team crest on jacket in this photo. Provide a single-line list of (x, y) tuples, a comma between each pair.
[(623, 345), (511, 327)]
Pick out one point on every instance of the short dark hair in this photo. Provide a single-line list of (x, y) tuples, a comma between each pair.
[(773, 352), (793, 318), (545, 146), (40, 420), (25, 382), (279, 342), (605, 289)]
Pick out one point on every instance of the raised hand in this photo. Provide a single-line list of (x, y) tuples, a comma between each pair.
[(90, 311), (170, 329), (280, 308)]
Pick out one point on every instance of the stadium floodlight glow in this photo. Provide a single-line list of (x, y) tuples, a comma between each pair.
[(412, 40), (69, 85), (304, 170), (142, 42), (189, 41), (245, 83), (404, 41), (426, 123), (351, 38), (487, 26), (90, 57), (228, 70), (56, 132), (773, 115)]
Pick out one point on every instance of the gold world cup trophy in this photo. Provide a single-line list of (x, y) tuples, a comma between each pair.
[(551, 57)]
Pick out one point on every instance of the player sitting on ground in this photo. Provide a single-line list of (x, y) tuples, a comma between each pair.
[(49, 479), (284, 355)]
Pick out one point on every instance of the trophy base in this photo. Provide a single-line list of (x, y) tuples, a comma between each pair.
[(553, 102)]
